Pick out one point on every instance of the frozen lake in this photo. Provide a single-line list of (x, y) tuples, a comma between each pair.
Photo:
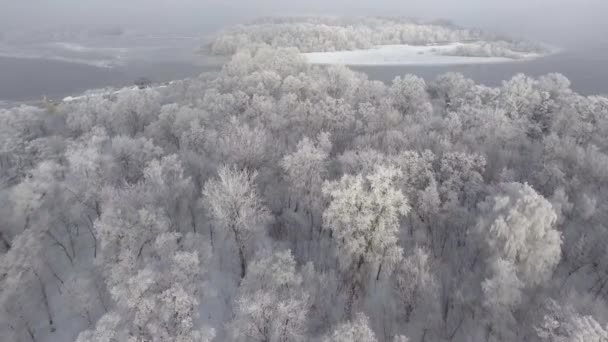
[(26, 78), (585, 67), (30, 71)]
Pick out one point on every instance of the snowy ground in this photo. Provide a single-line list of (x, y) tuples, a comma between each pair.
[(405, 55)]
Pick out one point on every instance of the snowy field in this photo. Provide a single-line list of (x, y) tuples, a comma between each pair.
[(406, 55)]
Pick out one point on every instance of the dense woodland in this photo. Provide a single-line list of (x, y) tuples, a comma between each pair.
[(322, 34), (279, 201)]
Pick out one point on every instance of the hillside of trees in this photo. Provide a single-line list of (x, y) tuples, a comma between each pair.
[(325, 34), (280, 201)]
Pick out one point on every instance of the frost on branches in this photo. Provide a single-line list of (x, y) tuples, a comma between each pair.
[(279, 201)]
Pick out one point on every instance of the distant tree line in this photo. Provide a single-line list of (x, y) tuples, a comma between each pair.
[(322, 34)]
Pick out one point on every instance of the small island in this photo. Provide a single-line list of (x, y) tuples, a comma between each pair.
[(377, 41)]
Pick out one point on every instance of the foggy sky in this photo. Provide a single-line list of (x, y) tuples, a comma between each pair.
[(566, 20)]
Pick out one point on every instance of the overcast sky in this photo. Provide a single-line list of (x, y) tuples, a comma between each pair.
[(571, 20)]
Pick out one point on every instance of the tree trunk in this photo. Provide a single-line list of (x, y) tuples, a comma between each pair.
[(71, 240), (5, 242), (88, 316), (350, 301), (241, 248), (408, 312), (312, 225), (29, 330), (100, 297), (211, 236), (379, 271), (61, 245), (90, 229), (423, 339), (193, 218), (243, 265), (45, 300)]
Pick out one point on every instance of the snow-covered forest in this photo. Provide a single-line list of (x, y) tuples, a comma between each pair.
[(281, 201), (324, 34)]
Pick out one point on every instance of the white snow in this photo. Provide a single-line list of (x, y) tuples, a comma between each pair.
[(72, 98), (100, 63), (100, 93), (405, 55), (72, 46)]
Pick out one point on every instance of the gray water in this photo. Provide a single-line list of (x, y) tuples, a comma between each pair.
[(24, 79), (587, 69), (32, 79), (56, 69)]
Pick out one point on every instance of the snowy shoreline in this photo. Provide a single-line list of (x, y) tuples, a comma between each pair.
[(386, 55)]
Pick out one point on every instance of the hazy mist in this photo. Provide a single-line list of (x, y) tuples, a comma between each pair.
[(175, 171), (556, 21)]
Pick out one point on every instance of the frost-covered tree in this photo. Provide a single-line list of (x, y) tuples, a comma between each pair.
[(518, 226), (461, 178), (520, 96), (522, 247), (272, 304), (160, 302), (168, 188), (565, 324), (132, 111), (87, 171), (453, 91), (363, 218), (24, 297), (409, 95), (242, 145), (415, 284), (19, 127), (173, 121), (106, 330), (129, 157), (357, 330), (233, 202), (305, 169)]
